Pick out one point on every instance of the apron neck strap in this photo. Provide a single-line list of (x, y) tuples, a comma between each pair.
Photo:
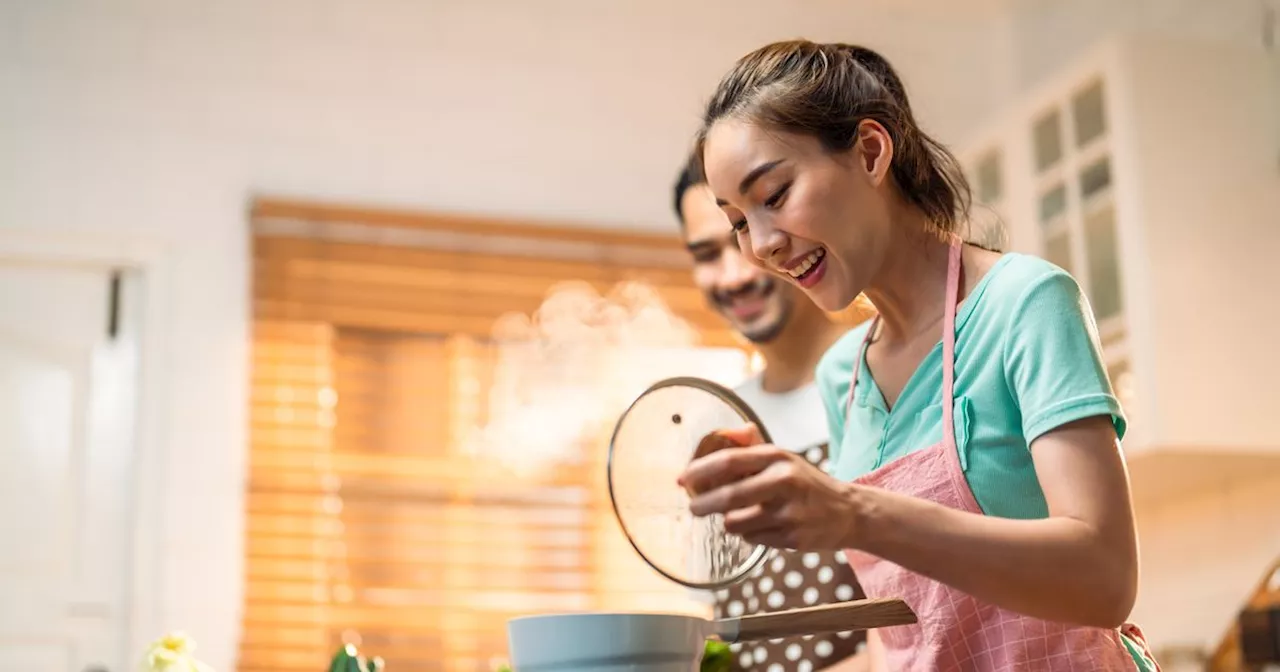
[(954, 272), (955, 267)]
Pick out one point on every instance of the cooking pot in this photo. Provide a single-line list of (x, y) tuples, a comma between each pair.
[(643, 642)]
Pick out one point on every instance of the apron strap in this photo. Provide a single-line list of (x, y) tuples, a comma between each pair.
[(954, 269), (857, 364)]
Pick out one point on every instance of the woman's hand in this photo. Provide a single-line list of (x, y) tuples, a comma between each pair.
[(768, 495)]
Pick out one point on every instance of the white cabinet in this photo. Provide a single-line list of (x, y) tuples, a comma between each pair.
[(1149, 170)]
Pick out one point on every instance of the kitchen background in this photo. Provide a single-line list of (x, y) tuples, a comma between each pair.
[(266, 268)]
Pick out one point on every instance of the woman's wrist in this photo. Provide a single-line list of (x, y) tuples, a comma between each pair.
[(860, 525)]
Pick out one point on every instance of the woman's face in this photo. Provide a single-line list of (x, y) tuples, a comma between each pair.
[(818, 219)]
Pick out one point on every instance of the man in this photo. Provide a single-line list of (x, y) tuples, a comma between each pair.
[(791, 334)]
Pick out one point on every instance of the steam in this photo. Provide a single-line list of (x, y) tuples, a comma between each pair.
[(564, 374)]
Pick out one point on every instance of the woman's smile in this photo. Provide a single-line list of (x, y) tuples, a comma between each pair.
[(807, 270)]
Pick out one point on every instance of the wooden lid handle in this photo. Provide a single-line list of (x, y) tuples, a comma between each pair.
[(841, 617)]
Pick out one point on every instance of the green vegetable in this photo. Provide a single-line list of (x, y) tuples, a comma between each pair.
[(347, 659), (716, 657)]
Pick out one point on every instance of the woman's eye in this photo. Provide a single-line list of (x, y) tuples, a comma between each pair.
[(776, 197)]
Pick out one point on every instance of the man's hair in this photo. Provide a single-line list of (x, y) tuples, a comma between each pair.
[(690, 176)]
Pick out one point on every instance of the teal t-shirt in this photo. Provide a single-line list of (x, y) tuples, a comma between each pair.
[(1028, 360)]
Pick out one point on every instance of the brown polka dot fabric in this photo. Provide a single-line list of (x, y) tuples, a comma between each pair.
[(788, 580)]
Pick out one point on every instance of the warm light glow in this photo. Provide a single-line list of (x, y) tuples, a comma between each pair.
[(564, 374)]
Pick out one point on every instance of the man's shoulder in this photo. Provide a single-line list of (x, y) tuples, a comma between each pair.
[(791, 401), (795, 419)]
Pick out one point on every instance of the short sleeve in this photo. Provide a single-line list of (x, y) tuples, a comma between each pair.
[(1053, 358)]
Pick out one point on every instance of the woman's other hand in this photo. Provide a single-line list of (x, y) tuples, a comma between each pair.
[(769, 495)]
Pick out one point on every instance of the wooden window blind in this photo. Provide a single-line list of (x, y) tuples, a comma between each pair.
[(368, 520)]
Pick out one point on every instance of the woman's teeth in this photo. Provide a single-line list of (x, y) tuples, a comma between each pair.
[(808, 263)]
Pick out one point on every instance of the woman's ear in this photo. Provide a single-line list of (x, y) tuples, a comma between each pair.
[(874, 149)]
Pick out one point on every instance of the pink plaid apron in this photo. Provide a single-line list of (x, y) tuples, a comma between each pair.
[(956, 631)]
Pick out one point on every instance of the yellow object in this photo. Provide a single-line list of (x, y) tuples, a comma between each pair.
[(173, 653)]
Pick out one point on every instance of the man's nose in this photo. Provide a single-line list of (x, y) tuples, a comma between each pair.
[(736, 271)]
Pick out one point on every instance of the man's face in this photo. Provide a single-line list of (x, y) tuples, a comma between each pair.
[(756, 303)]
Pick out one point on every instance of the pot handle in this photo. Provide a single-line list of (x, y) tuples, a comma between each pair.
[(841, 617)]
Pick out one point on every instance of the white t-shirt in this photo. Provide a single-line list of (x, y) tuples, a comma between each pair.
[(796, 420)]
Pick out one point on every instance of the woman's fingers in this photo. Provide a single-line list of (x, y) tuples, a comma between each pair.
[(762, 487), (772, 525), (746, 435), (723, 467), (746, 519), (759, 525), (713, 442), (738, 437)]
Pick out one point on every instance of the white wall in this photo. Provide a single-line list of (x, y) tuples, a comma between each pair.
[(1210, 195), (161, 118), (1047, 34)]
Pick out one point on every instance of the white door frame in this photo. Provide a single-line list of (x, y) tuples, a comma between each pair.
[(143, 617)]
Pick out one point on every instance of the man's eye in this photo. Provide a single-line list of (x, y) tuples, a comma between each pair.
[(740, 225), (706, 257)]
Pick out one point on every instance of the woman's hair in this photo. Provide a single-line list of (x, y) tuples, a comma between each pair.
[(825, 91)]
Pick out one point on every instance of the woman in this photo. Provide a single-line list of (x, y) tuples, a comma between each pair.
[(978, 475)]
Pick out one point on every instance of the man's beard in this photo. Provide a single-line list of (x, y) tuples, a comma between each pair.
[(764, 287)]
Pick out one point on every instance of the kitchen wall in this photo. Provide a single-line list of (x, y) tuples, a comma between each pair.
[(1047, 34)]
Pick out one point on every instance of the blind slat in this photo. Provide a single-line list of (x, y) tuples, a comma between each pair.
[(284, 249), (269, 208), (323, 280)]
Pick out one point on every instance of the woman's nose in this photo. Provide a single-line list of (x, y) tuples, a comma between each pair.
[(767, 243)]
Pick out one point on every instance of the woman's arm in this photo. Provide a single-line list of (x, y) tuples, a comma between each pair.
[(875, 653), (1079, 565)]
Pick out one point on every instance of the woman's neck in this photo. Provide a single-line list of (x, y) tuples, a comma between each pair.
[(790, 359), (908, 288)]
